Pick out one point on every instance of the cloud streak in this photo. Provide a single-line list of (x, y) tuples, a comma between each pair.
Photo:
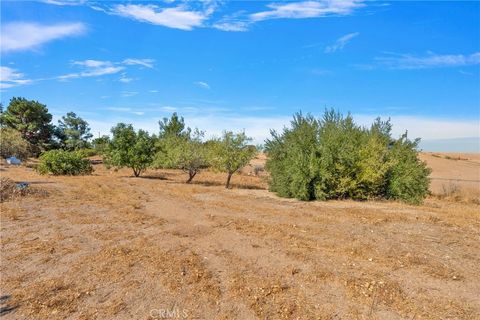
[(341, 42), (11, 78), (432, 60), (306, 9), (20, 36), (95, 68), (147, 63), (202, 84), (175, 17)]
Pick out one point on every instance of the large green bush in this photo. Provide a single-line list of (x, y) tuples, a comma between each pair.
[(60, 162), (334, 158)]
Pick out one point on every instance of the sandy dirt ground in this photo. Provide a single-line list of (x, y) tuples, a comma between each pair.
[(459, 171), (109, 246)]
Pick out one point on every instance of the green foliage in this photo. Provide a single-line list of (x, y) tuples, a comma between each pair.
[(13, 144), (333, 158), (61, 162), (190, 154), (31, 119), (292, 158), (179, 148), (73, 132), (172, 131), (175, 126), (86, 152), (230, 153), (407, 176), (129, 148), (100, 144)]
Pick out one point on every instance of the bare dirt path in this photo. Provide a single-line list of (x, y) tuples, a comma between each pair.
[(108, 246)]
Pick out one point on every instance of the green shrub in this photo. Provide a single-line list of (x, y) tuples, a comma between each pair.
[(86, 152), (407, 176), (12, 144), (334, 158), (60, 162), (100, 144)]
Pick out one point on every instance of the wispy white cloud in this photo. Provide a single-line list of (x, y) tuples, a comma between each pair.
[(431, 60), (126, 110), (127, 94), (178, 17), (235, 26), (65, 2), (202, 84), (92, 68), (341, 42), (18, 36), (307, 9), (168, 109), (95, 68), (11, 78), (147, 63), (125, 79), (237, 22)]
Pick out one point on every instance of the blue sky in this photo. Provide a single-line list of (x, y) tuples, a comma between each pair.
[(249, 64)]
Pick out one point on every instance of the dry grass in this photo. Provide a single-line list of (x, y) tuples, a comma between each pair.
[(111, 246)]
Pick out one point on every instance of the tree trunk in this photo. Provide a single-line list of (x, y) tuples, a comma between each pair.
[(227, 185), (136, 172), (191, 175)]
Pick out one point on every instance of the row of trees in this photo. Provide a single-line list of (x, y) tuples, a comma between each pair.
[(327, 158), (178, 147), (27, 130)]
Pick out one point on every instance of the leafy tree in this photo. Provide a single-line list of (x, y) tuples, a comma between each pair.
[(188, 154), (100, 144), (175, 126), (129, 148), (333, 158), (73, 132), (230, 153), (172, 131), (13, 144), (31, 119)]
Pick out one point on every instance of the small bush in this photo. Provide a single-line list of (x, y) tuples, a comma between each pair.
[(60, 162), (9, 190), (86, 152)]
